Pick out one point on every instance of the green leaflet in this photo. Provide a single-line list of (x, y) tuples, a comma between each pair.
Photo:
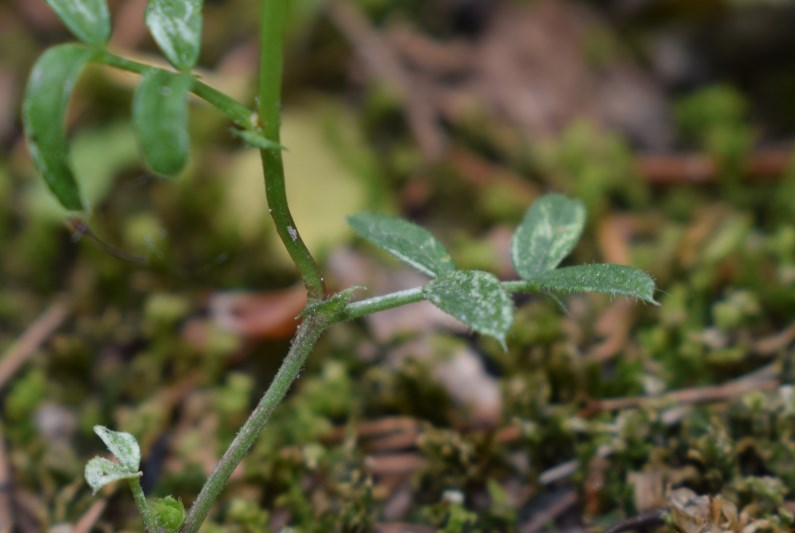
[(43, 111), (99, 472), (475, 298), (404, 240), (89, 20), (122, 445), (176, 26), (549, 231), (160, 118), (616, 280)]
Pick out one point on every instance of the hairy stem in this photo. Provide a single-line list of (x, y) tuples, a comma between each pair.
[(240, 114), (272, 17), (140, 502), (306, 336), (269, 109), (396, 299), (381, 303)]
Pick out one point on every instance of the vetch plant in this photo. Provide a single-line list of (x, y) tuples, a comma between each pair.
[(549, 231)]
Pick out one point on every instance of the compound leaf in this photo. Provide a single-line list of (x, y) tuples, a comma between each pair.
[(475, 298), (616, 280), (176, 26), (160, 118), (123, 446), (549, 231), (404, 240), (99, 472), (89, 20), (43, 111)]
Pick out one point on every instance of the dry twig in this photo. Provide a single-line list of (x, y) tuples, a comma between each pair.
[(565, 502), (38, 332), (380, 61)]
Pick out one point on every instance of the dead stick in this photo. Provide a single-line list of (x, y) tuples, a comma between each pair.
[(90, 517), (698, 168), (539, 521), (689, 396), (38, 332), (6, 503), (382, 64)]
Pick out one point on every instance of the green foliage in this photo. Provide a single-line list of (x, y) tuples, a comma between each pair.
[(122, 445), (100, 471), (89, 20), (46, 99), (176, 27), (168, 512), (615, 280), (475, 298), (160, 117), (548, 233), (714, 119), (405, 241)]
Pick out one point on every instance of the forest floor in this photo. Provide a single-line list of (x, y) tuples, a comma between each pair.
[(168, 313)]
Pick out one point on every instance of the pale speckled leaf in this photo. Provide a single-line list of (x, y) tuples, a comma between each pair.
[(616, 280), (160, 118), (99, 472), (404, 240), (123, 446), (176, 26), (43, 111), (475, 298), (549, 231), (89, 20)]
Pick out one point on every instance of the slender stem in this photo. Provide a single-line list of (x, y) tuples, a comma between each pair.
[(272, 19), (520, 286), (269, 108), (306, 336), (400, 298), (240, 114), (380, 303), (140, 502)]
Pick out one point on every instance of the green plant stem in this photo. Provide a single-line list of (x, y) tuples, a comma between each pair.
[(380, 303), (520, 286), (269, 108), (272, 18), (306, 336), (396, 299), (140, 502), (240, 114)]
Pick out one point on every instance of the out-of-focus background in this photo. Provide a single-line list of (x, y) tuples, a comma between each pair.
[(672, 120)]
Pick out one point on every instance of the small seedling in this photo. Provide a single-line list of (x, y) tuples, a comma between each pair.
[(547, 234)]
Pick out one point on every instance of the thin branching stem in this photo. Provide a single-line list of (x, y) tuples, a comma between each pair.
[(269, 109), (272, 18), (140, 502), (384, 302), (240, 114), (303, 342)]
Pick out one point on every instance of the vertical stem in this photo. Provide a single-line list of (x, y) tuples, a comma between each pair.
[(269, 108), (272, 16), (140, 502), (306, 336)]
